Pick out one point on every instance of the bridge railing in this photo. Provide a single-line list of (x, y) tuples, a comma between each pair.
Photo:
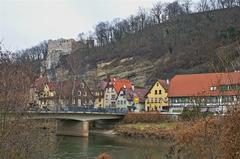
[(87, 109), (97, 110)]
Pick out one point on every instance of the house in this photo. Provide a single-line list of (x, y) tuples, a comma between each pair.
[(54, 95), (113, 87), (47, 96), (75, 93), (132, 98), (99, 94), (139, 98), (156, 97), (124, 98), (208, 91)]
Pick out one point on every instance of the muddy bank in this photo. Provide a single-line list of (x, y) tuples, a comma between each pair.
[(147, 130)]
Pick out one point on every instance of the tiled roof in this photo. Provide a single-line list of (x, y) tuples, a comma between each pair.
[(52, 86), (200, 84), (136, 92), (40, 83), (66, 87), (102, 85), (164, 84), (122, 83), (140, 93)]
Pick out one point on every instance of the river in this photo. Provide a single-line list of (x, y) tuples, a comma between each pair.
[(118, 147)]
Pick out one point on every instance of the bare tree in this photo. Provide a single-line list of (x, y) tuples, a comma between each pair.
[(142, 17), (203, 6), (157, 11), (20, 138), (102, 32), (173, 9), (213, 4), (187, 6)]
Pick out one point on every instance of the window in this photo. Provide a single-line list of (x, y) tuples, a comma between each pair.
[(160, 100), (79, 102), (228, 99), (212, 99), (121, 102), (157, 84), (160, 91), (213, 88), (156, 100), (113, 96), (73, 102), (79, 93), (124, 102), (155, 91), (85, 93)]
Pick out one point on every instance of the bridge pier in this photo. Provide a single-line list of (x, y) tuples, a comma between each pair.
[(72, 128)]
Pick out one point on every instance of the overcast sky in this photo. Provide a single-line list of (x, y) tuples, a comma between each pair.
[(24, 23)]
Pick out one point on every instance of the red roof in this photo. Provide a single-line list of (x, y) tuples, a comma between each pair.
[(52, 86), (121, 83), (40, 82), (200, 84)]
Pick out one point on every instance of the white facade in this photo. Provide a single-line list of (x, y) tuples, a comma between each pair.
[(110, 97), (122, 101), (213, 104)]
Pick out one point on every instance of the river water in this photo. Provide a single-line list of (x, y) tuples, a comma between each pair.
[(117, 147)]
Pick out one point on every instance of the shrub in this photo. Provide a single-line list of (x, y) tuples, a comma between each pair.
[(104, 156), (194, 114)]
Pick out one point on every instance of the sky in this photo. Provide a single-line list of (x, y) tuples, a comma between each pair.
[(25, 23)]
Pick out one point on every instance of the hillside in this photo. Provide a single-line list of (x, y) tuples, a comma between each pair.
[(184, 44)]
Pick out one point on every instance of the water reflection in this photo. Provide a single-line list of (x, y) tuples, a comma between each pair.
[(118, 147)]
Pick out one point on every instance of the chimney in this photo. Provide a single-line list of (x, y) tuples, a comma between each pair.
[(167, 81), (133, 87)]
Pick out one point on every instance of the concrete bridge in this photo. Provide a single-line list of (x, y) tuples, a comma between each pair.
[(76, 123)]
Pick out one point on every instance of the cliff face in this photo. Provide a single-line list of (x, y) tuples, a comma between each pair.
[(133, 68), (186, 44)]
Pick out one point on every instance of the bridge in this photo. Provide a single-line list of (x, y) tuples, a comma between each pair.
[(75, 122)]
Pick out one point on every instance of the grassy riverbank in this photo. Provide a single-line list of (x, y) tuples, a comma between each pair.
[(162, 130)]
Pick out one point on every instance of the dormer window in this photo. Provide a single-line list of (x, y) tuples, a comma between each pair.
[(213, 88)]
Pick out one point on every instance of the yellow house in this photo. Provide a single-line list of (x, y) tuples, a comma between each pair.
[(156, 97), (99, 99), (99, 94), (47, 99), (49, 90)]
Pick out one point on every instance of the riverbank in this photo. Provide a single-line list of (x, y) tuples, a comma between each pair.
[(103, 132), (161, 130)]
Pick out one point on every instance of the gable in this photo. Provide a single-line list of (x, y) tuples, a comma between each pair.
[(157, 86)]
